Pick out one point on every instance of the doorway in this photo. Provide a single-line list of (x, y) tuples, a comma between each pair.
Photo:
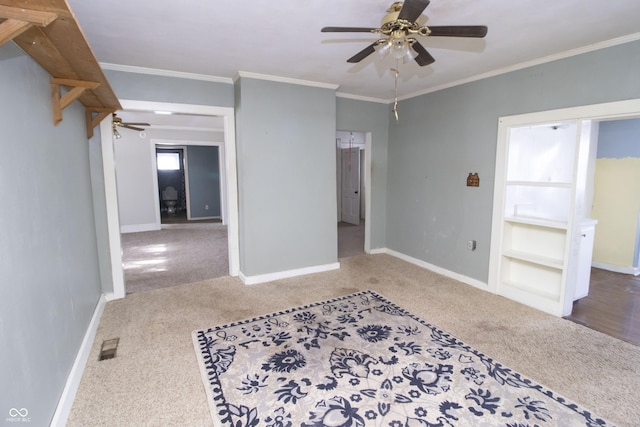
[(229, 211), (505, 230), (172, 188), (353, 166)]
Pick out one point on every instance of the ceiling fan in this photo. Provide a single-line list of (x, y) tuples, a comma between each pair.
[(117, 122), (398, 27)]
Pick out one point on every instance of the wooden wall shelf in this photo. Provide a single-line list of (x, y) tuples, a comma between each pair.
[(48, 31)]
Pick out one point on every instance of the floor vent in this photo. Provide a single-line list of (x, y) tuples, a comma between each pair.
[(109, 348)]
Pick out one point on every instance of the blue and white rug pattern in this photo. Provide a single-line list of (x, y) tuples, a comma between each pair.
[(360, 360)]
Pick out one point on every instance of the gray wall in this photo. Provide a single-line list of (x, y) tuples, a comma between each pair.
[(443, 136), (100, 211), (204, 181), (619, 139), (49, 272), (287, 176), (362, 116), (144, 87)]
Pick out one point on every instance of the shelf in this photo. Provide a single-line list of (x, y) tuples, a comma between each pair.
[(550, 295), (540, 222), (534, 259), (540, 184), (59, 46)]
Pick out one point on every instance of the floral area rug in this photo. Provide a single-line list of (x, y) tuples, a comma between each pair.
[(361, 360)]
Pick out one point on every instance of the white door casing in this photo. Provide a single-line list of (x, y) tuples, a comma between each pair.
[(231, 182)]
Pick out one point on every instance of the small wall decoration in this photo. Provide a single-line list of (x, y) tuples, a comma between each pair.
[(473, 180)]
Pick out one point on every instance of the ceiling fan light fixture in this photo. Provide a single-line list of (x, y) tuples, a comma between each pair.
[(399, 46), (116, 133), (384, 47), (409, 56)]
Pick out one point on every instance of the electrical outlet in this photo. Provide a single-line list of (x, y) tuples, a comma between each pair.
[(206, 207), (471, 245)]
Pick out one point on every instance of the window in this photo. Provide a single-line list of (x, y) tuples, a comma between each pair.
[(168, 161)]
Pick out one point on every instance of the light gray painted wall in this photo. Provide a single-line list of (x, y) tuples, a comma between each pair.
[(49, 272), (134, 159), (443, 136), (135, 171), (619, 139), (144, 87), (286, 176), (362, 116), (204, 181)]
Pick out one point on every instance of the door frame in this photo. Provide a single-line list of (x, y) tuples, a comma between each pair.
[(595, 112), (113, 223)]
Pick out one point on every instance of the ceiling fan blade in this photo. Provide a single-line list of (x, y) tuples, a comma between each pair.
[(458, 31), (135, 124), (132, 128), (424, 57), (363, 53), (348, 30), (412, 9)]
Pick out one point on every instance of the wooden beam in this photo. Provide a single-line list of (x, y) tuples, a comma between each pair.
[(92, 122), (60, 102), (12, 28), (19, 20), (35, 17)]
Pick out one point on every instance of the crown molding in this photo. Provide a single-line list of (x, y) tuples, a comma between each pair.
[(165, 73), (562, 55), (362, 98), (288, 80)]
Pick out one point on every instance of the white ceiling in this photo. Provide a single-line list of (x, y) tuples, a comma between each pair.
[(282, 38)]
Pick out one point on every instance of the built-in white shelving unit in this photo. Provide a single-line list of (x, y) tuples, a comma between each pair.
[(538, 246)]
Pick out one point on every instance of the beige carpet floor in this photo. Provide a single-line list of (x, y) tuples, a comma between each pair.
[(178, 253), (155, 381)]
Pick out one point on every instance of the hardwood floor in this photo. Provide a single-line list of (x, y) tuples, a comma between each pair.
[(612, 306)]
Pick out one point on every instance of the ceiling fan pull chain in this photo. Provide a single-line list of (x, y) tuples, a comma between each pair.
[(395, 99)]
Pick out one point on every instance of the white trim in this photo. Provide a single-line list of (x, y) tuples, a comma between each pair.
[(451, 274), (269, 277), (605, 111), (111, 200), (562, 55), (166, 73), (137, 228), (616, 268), (73, 380), (368, 150), (288, 80), (188, 128), (362, 98), (187, 185), (230, 205), (185, 142), (378, 251), (156, 189)]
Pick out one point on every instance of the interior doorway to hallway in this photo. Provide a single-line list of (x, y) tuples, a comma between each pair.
[(229, 209), (353, 193)]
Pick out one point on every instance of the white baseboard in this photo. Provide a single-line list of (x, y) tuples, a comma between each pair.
[(136, 228), (616, 268), (200, 218), (262, 278), (420, 263), (73, 380), (378, 251)]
